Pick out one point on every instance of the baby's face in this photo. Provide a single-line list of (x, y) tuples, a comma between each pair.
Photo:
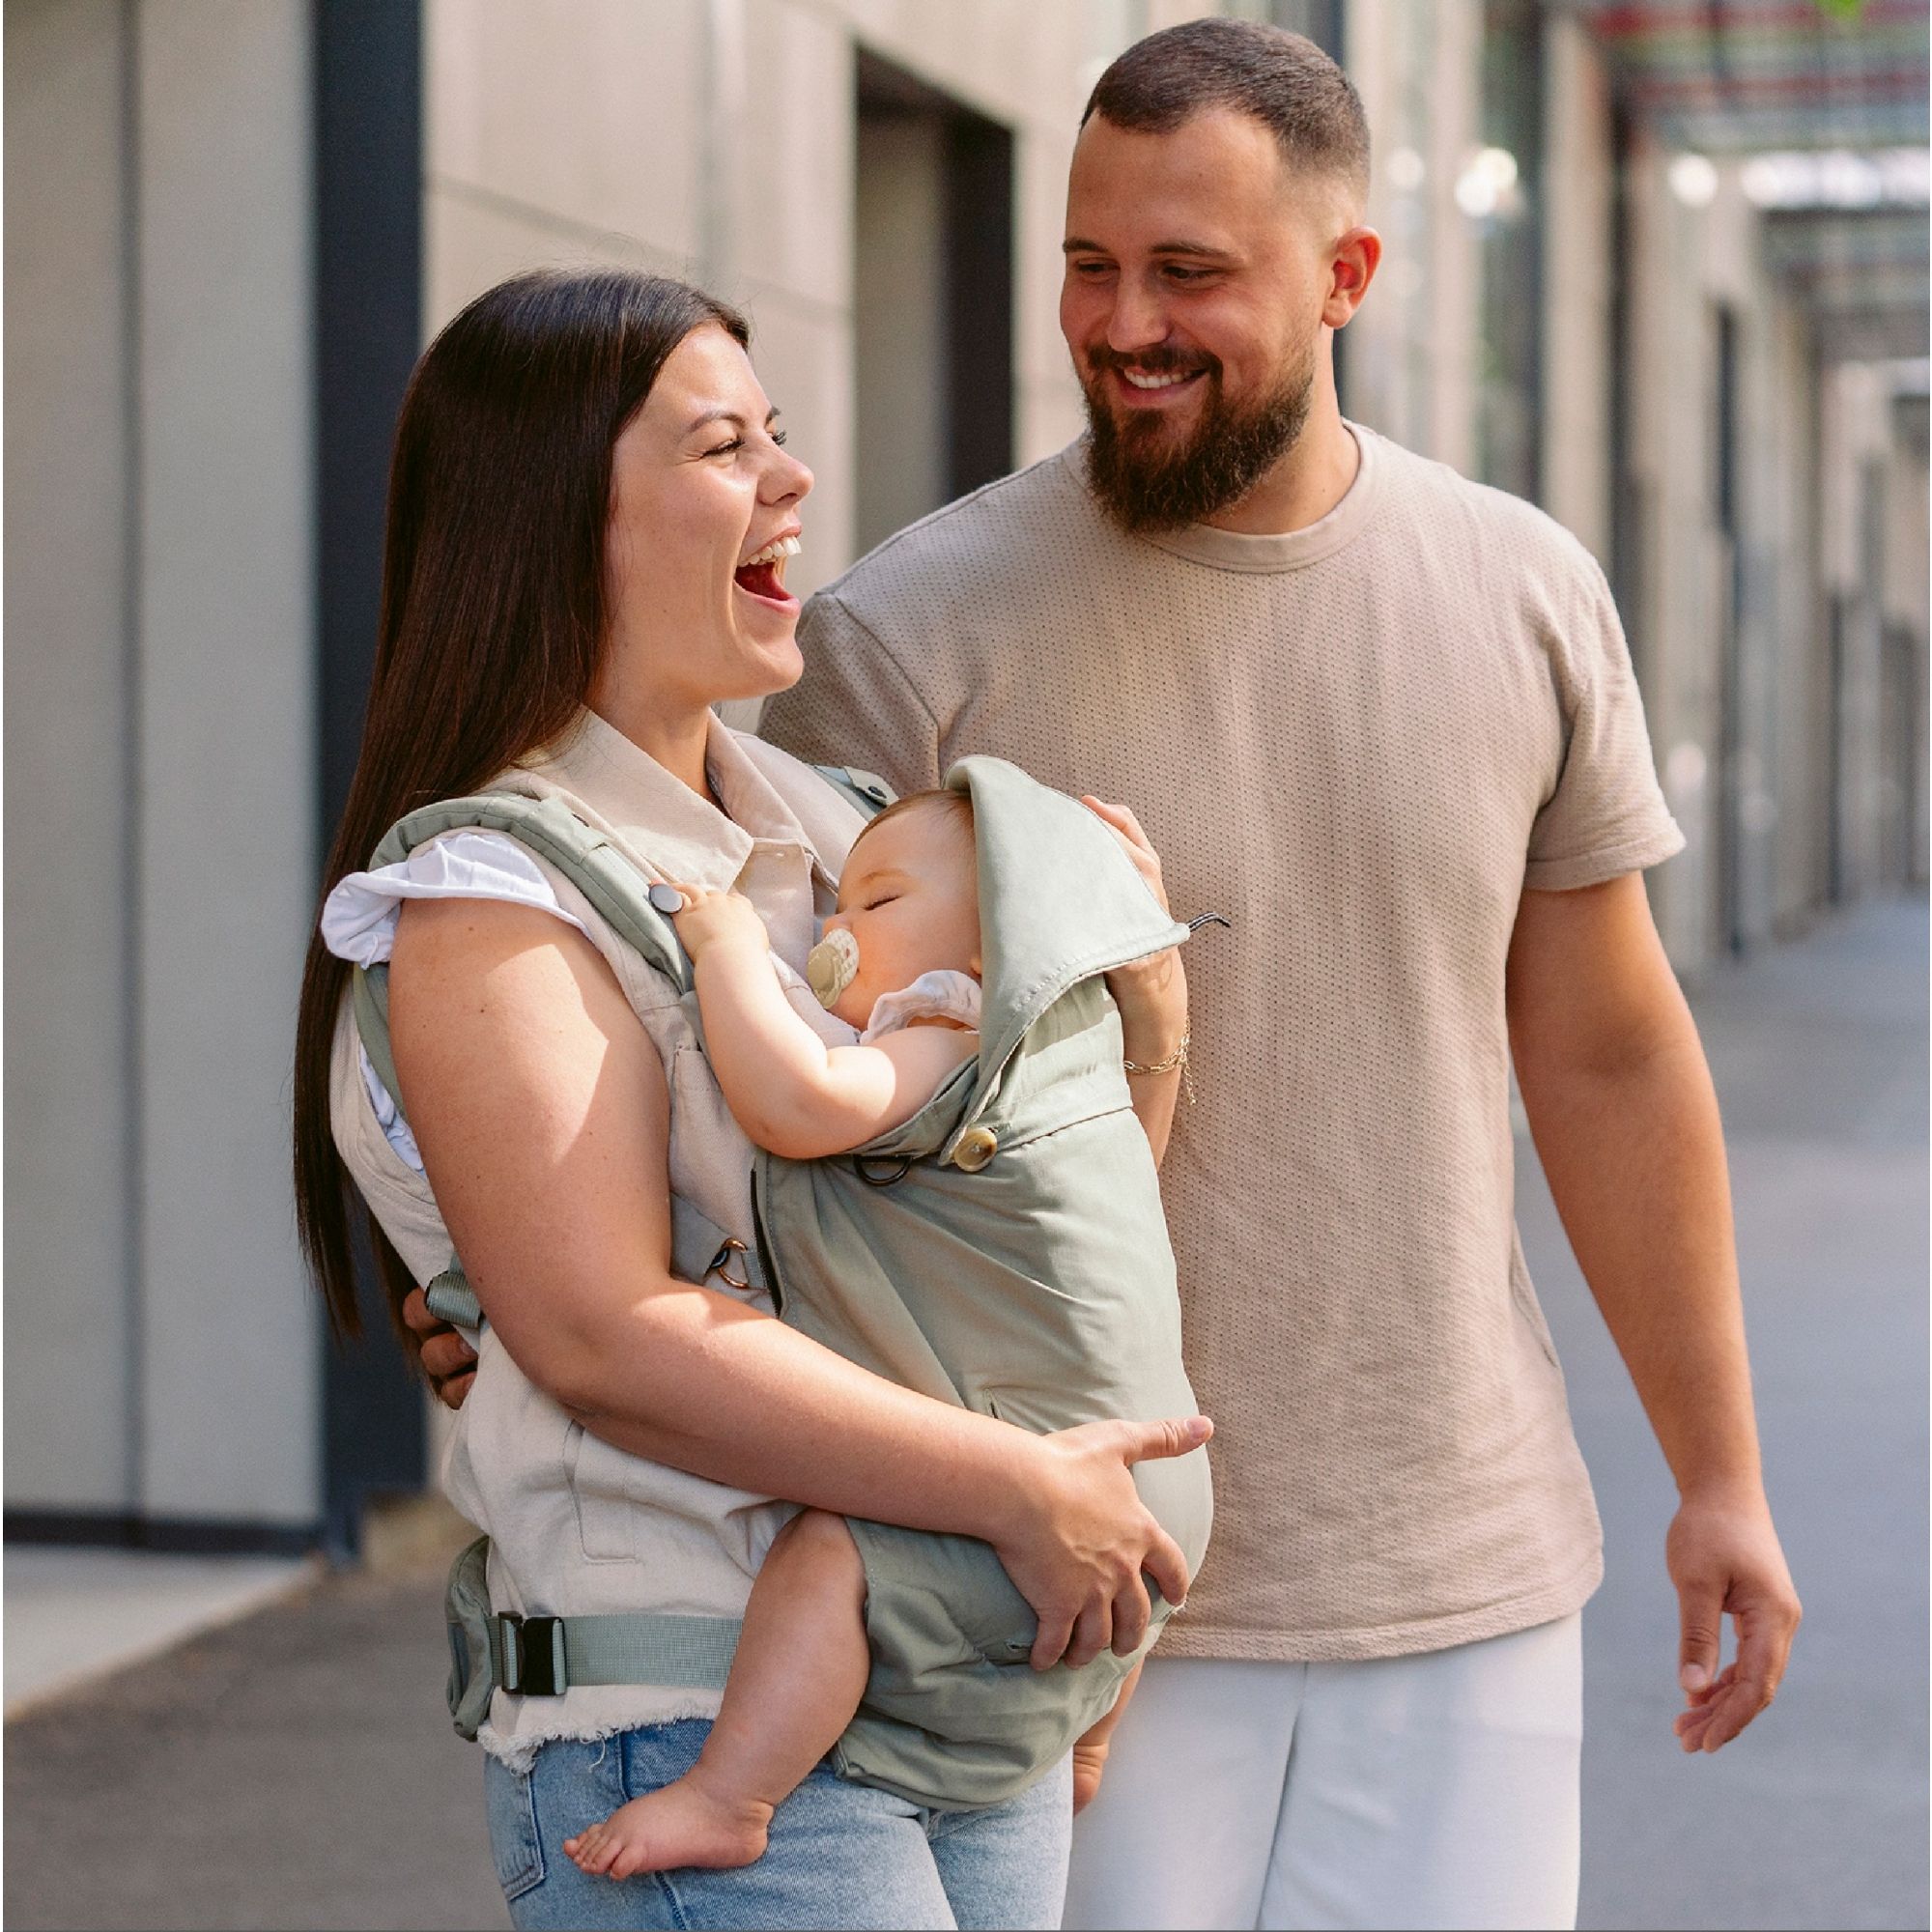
[(910, 898)]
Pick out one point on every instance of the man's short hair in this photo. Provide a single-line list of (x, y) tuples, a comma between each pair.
[(1283, 79)]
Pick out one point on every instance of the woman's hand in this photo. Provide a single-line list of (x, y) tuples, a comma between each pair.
[(1079, 1536), (718, 919)]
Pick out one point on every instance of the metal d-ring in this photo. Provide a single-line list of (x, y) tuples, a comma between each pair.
[(898, 1172), (720, 1265)]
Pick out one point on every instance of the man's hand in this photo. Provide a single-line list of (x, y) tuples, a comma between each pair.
[(448, 1359), (1151, 993), (1726, 1560)]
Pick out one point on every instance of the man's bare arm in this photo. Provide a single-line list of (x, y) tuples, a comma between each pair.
[(1624, 1118)]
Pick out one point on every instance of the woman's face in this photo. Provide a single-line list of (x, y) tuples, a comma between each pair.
[(703, 516)]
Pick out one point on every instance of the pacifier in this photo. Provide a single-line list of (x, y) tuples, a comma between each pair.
[(831, 966)]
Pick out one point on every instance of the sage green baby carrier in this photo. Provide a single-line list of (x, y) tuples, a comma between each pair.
[(1005, 1250)]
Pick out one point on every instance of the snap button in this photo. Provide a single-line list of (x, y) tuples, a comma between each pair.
[(977, 1146)]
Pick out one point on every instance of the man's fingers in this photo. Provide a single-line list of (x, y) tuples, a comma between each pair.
[(447, 1353), (1118, 818), (454, 1391), (1700, 1612), (1764, 1643)]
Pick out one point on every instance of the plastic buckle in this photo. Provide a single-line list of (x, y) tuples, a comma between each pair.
[(533, 1664)]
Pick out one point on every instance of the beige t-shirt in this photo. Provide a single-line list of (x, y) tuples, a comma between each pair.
[(1360, 741)]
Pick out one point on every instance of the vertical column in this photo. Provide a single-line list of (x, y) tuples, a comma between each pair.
[(368, 328), (70, 1257), (226, 752)]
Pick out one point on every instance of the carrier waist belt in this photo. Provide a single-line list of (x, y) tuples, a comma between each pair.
[(544, 1657)]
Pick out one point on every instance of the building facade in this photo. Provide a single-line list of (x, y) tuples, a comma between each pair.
[(232, 223)]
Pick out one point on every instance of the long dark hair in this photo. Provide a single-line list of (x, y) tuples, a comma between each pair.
[(491, 616)]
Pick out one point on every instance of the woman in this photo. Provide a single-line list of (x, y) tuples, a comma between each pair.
[(589, 509)]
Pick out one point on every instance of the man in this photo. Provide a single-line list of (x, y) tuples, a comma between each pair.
[(1384, 719)]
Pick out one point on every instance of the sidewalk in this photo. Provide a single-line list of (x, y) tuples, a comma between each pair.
[(73, 1614), (1817, 1815), (296, 1769)]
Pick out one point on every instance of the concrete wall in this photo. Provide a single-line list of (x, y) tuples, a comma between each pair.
[(161, 836), (70, 1316), (539, 150)]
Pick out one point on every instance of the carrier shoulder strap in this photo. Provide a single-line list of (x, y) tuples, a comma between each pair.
[(584, 855), (866, 792)]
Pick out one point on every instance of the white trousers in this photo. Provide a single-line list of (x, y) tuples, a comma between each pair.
[(1439, 1790)]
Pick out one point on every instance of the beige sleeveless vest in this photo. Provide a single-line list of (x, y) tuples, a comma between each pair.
[(576, 1527)]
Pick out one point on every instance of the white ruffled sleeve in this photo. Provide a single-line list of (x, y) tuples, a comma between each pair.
[(358, 920)]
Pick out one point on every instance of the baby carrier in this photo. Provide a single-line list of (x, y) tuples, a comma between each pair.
[(1004, 1250)]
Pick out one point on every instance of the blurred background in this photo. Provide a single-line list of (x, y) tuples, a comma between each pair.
[(1660, 266)]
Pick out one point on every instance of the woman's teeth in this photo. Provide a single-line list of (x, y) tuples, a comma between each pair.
[(780, 547)]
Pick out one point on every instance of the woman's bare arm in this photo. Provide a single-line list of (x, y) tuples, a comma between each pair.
[(539, 1107)]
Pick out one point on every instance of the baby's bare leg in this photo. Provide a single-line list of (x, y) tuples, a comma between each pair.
[(795, 1682)]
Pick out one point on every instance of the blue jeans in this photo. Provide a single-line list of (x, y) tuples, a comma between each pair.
[(841, 1854)]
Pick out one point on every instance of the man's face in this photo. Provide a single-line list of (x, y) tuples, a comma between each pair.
[(1197, 271)]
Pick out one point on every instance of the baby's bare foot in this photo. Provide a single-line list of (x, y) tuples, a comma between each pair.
[(685, 1824)]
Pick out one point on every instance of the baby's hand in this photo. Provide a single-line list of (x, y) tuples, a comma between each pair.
[(718, 919)]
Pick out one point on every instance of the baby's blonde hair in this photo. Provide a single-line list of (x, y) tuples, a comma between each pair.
[(956, 805)]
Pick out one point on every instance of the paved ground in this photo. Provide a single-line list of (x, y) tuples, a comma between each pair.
[(296, 1770), (73, 1614), (1816, 1817)]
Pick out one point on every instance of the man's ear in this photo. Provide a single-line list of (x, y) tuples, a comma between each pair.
[(1352, 264)]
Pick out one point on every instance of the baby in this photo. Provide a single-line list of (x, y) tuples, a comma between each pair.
[(891, 1015)]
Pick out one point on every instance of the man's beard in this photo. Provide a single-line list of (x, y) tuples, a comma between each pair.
[(1147, 483)]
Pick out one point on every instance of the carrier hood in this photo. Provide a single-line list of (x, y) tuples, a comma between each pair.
[(1058, 902)]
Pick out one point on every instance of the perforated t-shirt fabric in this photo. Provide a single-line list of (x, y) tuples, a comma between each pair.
[(1360, 741)]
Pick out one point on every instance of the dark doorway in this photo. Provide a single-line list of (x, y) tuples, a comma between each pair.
[(933, 299), (368, 304)]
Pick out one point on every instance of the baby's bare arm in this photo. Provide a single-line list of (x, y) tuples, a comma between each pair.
[(788, 1088)]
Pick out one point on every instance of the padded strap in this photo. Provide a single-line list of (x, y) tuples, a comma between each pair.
[(369, 997), (866, 792), (584, 855)]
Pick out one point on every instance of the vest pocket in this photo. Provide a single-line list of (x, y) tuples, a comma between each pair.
[(605, 1518)]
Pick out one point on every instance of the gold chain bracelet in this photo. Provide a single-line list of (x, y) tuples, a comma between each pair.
[(1177, 1058)]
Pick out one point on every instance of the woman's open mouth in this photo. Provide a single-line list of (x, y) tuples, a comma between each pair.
[(762, 576)]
